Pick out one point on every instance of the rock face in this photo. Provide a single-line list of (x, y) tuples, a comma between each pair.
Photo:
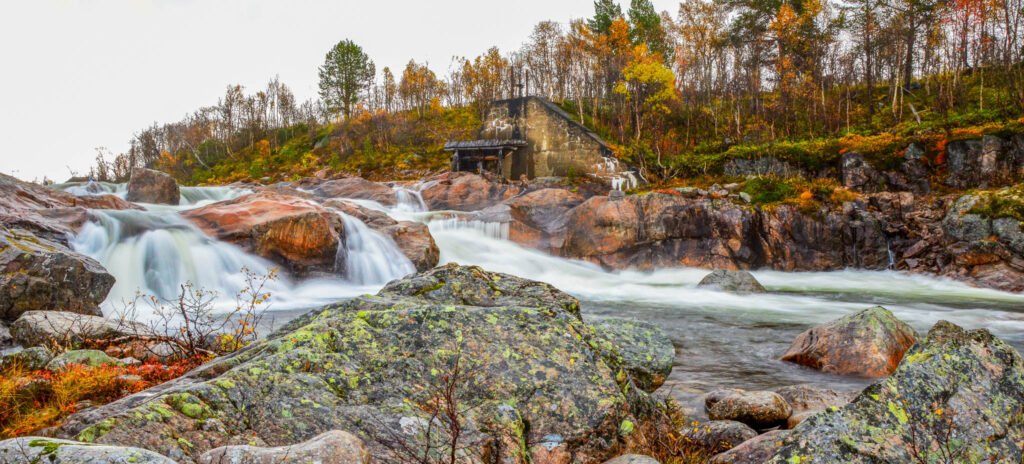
[(50, 450), (463, 191), (538, 381), (149, 186), (37, 274), (716, 437), (413, 238), (987, 162), (958, 396), (986, 251), (758, 409), (296, 233), (870, 343), (732, 281), (334, 447), (646, 352), (539, 217), (357, 188), (661, 230), (36, 328)]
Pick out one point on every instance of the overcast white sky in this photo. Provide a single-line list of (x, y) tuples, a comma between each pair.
[(81, 74)]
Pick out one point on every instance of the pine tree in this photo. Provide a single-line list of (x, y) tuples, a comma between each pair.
[(346, 74), (605, 12)]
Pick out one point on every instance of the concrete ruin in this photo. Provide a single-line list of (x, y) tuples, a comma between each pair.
[(533, 137)]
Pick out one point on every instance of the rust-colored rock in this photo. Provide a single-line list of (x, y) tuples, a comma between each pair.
[(413, 238), (356, 188), (462, 191), (869, 343), (294, 232), (539, 217)]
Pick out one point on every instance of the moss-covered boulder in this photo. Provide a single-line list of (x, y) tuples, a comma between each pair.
[(32, 359), (646, 352), (870, 343), (32, 450), (525, 374), (958, 396), (92, 358)]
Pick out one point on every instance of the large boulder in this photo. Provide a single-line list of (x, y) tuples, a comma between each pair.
[(528, 376), (869, 343), (958, 396), (732, 281), (63, 328), (294, 232), (91, 358), (413, 238), (356, 188), (463, 191), (715, 437), (758, 409), (31, 450), (756, 450), (334, 447), (646, 352), (539, 217), (32, 359), (149, 186), (37, 275)]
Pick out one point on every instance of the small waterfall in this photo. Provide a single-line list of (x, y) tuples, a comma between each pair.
[(200, 196), (491, 229), (93, 188), (409, 200), (370, 257), (611, 170)]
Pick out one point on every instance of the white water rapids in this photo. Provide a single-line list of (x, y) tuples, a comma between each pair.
[(722, 339)]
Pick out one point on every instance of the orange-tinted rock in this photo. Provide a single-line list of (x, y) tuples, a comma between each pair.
[(296, 233), (356, 188), (539, 217), (870, 343), (463, 191)]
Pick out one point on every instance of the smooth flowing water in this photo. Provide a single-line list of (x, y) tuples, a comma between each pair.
[(722, 339)]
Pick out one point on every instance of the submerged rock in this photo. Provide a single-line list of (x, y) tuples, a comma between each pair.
[(149, 186), (291, 231), (958, 396), (37, 275), (530, 376), (51, 450), (732, 281), (714, 437), (63, 328), (759, 409), (334, 447), (646, 352), (870, 343)]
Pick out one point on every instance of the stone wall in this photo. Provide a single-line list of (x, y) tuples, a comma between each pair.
[(558, 145)]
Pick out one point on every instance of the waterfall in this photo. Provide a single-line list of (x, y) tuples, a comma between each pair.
[(200, 196), (92, 188), (491, 229), (409, 200), (611, 170), (370, 257)]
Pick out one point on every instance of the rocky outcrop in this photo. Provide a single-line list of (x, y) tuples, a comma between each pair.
[(762, 166), (38, 275), (759, 409), (985, 250), (911, 175), (538, 218), (462, 191), (869, 343), (413, 238), (661, 230), (298, 234), (51, 450), (646, 353), (149, 186), (732, 281), (958, 396), (356, 188), (334, 447), (534, 380), (987, 162), (35, 328)]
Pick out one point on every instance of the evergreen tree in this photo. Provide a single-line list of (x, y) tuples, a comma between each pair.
[(646, 28), (605, 12), (346, 74)]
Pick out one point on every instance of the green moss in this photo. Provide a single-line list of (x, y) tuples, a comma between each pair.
[(1005, 203), (766, 190), (91, 434)]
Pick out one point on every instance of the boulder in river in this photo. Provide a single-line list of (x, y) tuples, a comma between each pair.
[(530, 377), (732, 281), (869, 343), (463, 191), (413, 238), (756, 451), (539, 217), (37, 275), (291, 231), (334, 447), (808, 399), (958, 396), (150, 186), (759, 409), (646, 352), (356, 188), (50, 450), (714, 437)]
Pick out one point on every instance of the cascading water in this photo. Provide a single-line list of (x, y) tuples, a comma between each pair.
[(198, 196), (93, 188), (370, 257), (409, 200)]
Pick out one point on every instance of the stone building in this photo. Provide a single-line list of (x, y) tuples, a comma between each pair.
[(533, 137)]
